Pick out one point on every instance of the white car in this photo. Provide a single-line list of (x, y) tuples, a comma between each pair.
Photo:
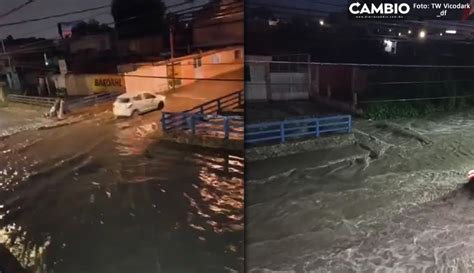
[(128, 105)]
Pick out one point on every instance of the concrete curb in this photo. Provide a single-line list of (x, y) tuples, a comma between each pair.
[(59, 124)]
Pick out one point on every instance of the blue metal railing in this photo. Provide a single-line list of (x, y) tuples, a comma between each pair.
[(226, 127), (282, 131), (73, 104), (173, 121), (91, 100), (32, 100)]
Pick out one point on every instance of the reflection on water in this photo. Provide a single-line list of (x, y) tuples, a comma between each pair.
[(133, 138), (126, 205)]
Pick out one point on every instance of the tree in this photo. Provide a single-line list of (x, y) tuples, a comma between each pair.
[(139, 17), (90, 28)]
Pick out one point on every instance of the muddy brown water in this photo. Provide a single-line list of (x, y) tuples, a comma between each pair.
[(107, 196), (339, 210)]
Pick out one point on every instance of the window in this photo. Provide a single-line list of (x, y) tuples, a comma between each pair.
[(216, 59), (197, 62), (124, 100), (148, 96), (237, 54), (138, 97)]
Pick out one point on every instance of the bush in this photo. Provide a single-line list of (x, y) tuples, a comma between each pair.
[(415, 109)]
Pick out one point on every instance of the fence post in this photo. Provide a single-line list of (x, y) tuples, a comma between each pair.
[(218, 105), (163, 120), (282, 132), (353, 87), (354, 100), (193, 125), (316, 81), (226, 127), (349, 127), (201, 110), (186, 121), (317, 127)]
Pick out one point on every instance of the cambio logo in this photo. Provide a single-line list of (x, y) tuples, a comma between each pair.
[(379, 9)]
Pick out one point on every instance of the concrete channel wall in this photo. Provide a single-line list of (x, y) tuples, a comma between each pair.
[(290, 148)]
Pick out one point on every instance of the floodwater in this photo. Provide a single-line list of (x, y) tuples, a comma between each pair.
[(13, 120), (106, 195), (406, 208)]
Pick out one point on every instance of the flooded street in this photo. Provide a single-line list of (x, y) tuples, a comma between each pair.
[(14, 120), (106, 195), (393, 202)]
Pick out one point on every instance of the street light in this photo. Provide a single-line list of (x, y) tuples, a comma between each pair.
[(409, 31), (321, 22), (422, 34), (451, 31)]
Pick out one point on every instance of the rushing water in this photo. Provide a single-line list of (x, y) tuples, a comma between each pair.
[(106, 196), (408, 209)]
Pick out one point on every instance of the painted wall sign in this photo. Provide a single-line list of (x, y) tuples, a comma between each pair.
[(108, 82)]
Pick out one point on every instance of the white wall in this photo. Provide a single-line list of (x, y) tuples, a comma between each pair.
[(283, 86), (256, 88), (143, 78), (153, 76), (289, 86)]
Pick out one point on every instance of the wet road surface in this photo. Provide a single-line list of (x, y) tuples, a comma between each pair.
[(105, 195), (408, 209)]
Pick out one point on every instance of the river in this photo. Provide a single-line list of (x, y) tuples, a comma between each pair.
[(406, 209)]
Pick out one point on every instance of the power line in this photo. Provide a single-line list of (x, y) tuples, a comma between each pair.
[(419, 82), (325, 3), (82, 11), (154, 64), (15, 9), (415, 99), (27, 50), (361, 65), (53, 16), (55, 25), (184, 78), (179, 4), (288, 10)]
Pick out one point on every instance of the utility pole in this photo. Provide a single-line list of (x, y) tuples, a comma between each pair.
[(10, 69), (8, 56), (46, 77), (172, 56)]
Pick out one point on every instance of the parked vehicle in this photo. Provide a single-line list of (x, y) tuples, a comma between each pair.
[(128, 105)]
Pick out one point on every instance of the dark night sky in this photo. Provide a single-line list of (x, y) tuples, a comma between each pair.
[(48, 29), (305, 4), (338, 6)]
